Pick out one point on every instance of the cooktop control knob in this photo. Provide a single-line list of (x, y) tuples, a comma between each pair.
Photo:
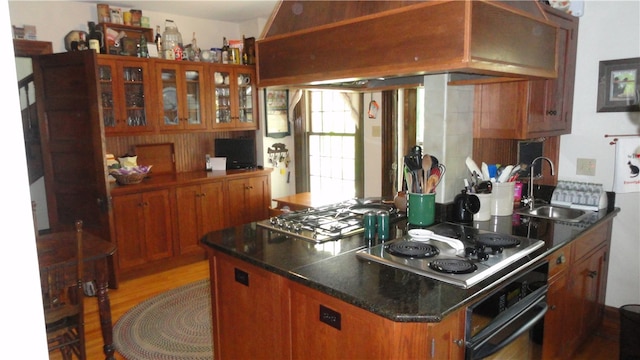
[(470, 251), (497, 249), (483, 256)]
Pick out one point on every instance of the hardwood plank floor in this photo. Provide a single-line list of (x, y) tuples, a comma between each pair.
[(604, 345), (129, 294)]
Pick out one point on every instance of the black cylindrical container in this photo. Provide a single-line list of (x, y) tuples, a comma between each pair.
[(464, 206)]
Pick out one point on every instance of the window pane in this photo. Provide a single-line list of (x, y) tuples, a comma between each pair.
[(332, 144)]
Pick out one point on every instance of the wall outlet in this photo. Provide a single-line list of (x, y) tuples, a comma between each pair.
[(586, 167)]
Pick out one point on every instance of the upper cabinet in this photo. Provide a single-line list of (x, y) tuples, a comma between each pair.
[(234, 102), (125, 89), (536, 108), (181, 95), (146, 96)]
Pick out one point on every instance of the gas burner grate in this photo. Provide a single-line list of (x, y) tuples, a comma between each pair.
[(412, 249), (453, 266), (497, 240)]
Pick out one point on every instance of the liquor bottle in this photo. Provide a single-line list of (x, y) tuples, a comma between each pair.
[(158, 41), (225, 51), (96, 39), (82, 41), (195, 48), (245, 56), (144, 51)]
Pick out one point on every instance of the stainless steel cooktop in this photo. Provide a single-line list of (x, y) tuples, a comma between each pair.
[(329, 222), (456, 254)]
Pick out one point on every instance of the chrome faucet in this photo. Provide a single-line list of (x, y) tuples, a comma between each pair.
[(531, 200)]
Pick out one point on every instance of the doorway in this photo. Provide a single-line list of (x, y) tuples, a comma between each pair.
[(25, 51)]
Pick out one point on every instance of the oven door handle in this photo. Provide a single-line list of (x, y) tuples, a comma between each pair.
[(541, 303)]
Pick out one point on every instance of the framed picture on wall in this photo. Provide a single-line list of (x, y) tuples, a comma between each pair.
[(618, 85), (277, 113)]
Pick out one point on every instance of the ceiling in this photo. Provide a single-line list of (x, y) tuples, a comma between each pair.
[(219, 10)]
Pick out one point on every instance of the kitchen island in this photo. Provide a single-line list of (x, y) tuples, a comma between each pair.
[(287, 297)]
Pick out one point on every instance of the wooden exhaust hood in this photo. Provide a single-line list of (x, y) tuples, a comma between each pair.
[(316, 42)]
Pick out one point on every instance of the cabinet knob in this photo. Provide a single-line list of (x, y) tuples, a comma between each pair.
[(459, 342), (561, 259), (552, 112), (592, 274), (552, 307)]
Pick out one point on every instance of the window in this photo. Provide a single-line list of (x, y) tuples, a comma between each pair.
[(333, 119)]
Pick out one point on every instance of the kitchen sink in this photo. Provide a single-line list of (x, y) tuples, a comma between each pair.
[(554, 212)]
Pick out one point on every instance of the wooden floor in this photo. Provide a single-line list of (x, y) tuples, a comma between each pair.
[(601, 346), (133, 292)]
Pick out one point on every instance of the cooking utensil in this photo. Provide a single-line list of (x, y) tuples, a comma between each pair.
[(505, 174), (426, 170), (515, 170), (484, 187), (431, 184), (434, 179), (434, 161), (474, 169), (485, 171)]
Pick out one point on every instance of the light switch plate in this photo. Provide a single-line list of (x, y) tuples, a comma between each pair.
[(586, 167)]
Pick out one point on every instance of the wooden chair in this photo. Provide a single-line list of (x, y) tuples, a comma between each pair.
[(63, 304)]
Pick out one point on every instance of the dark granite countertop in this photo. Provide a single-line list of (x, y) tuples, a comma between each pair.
[(333, 268)]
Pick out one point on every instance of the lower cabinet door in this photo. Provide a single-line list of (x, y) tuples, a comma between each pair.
[(554, 338), (143, 228), (251, 310)]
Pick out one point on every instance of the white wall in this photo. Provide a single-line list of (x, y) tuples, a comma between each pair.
[(372, 136), (21, 310), (608, 30), (55, 19)]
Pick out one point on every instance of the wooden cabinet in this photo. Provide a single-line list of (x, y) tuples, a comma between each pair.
[(250, 308), (586, 296), (125, 90), (446, 338), (536, 108), (332, 329), (577, 285), (233, 97), (555, 329), (294, 321), (200, 209), (143, 228), (181, 95), (249, 199)]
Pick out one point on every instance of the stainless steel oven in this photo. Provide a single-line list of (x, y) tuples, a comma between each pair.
[(507, 324)]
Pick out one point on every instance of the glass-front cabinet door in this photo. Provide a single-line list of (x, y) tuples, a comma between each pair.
[(222, 98), (124, 91), (181, 95), (245, 96), (234, 101)]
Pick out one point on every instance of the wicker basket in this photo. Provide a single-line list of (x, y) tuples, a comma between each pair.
[(134, 178)]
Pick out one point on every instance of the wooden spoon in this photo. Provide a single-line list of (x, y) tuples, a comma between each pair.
[(426, 170)]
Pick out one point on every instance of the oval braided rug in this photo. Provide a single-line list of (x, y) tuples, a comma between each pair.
[(174, 325)]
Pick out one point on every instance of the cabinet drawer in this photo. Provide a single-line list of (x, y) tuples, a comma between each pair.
[(560, 260), (588, 242)]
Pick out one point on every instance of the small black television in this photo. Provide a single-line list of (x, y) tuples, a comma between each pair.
[(240, 153)]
